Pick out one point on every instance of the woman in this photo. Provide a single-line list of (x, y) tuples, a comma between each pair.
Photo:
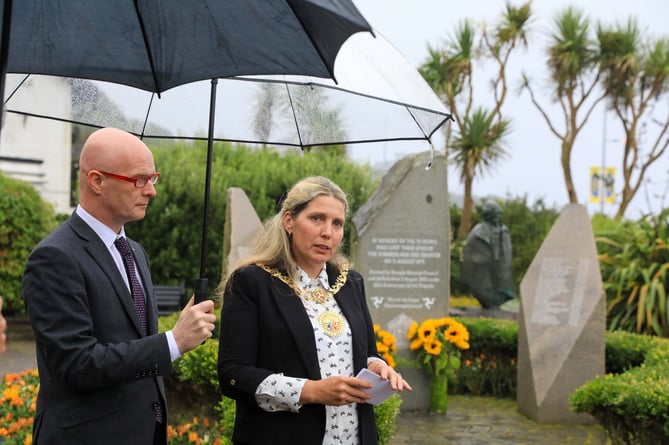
[(295, 330)]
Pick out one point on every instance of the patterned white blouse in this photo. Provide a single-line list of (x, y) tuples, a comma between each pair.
[(335, 357)]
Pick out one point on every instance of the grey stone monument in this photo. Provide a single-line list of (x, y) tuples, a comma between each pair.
[(562, 321), (400, 245), (241, 225)]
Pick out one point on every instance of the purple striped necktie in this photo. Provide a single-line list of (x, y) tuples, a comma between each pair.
[(138, 297)]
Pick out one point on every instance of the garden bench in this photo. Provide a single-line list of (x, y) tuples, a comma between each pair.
[(170, 299)]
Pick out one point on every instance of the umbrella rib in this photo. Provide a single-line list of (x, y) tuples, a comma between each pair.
[(58, 119), (157, 87), (146, 118), (16, 89), (292, 109)]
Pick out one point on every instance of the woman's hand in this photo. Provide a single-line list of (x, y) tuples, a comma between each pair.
[(397, 383), (335, 391)]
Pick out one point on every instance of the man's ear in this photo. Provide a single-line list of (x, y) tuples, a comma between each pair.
[(94, 181)]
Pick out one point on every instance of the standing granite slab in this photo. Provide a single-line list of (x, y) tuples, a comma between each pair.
[(562, 321), (241, 225), (400, 245)]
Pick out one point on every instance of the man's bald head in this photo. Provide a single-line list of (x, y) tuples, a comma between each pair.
[(107, 153), (109, 149)]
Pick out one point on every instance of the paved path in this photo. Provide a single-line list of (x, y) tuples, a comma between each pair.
[(469, 421), (488, 421)]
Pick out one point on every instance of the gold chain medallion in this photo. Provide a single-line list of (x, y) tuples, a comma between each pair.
[(332, 323), (319, 295)]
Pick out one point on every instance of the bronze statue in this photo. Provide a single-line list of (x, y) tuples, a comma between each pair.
[(486, 266)]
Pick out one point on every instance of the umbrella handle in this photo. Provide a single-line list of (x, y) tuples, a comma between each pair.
[(201, 290)]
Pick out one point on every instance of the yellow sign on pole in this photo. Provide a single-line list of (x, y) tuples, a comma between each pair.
[(601, 185)]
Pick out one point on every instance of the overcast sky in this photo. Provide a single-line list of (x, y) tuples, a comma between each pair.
[(533, 168)]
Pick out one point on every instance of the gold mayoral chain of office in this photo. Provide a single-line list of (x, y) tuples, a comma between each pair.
[(332, 323)]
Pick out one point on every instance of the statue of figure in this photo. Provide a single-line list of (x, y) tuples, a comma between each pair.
[(486, 265)]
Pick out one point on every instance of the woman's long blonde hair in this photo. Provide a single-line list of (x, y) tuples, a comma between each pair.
[(272, 244)]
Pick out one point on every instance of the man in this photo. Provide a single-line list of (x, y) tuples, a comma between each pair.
[(486, 266), (94, 314)]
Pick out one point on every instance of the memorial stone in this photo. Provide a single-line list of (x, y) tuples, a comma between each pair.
[(562, 321), (241, 225), (400, 245)]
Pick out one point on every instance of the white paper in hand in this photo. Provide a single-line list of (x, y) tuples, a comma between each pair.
[(380, 389)]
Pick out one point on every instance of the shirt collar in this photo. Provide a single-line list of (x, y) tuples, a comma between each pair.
[(304, 281), (107, 235)]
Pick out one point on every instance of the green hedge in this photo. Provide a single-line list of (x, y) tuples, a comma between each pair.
[(632, 406), (631, 402), (25, 218)]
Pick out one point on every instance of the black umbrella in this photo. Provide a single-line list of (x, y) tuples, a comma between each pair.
[(155, 45)]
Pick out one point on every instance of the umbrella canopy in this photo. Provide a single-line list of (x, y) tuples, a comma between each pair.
[(379, 97), (156, 45)]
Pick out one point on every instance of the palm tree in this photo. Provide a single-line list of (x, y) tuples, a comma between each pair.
[(449, 72), (476, 150), (635, 78), (572, 62)]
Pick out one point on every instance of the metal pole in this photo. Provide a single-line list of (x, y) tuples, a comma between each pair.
[(201, 283), (602, 179), (4, 52)]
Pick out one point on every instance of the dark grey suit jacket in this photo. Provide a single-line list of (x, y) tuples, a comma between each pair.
[(265, 330), (99, 375)]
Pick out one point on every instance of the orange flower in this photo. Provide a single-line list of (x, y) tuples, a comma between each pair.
[(427, 330), (433, 347), (416, 344)]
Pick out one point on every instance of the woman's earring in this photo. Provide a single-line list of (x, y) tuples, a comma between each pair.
[(290, 235)]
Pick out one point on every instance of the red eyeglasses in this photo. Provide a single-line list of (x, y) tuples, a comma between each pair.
[(138, 182)]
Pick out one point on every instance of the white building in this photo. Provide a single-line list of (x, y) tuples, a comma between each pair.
[(39, 150)]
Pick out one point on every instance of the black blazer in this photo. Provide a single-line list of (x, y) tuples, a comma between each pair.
[(99, 375), (265, 330)]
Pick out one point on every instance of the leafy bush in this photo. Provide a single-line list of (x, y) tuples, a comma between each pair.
[(634, 261), (386, 418), (489, 366), (633, 406), (625, 350), (25, 218)]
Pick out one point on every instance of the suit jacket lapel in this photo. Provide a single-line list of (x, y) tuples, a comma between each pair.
[(298, 323), (349, 304), (100, 255)]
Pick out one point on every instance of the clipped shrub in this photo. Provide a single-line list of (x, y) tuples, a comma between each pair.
[(386, 418), (633, 407), (625, 350), (489, 366), (25, 218)]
